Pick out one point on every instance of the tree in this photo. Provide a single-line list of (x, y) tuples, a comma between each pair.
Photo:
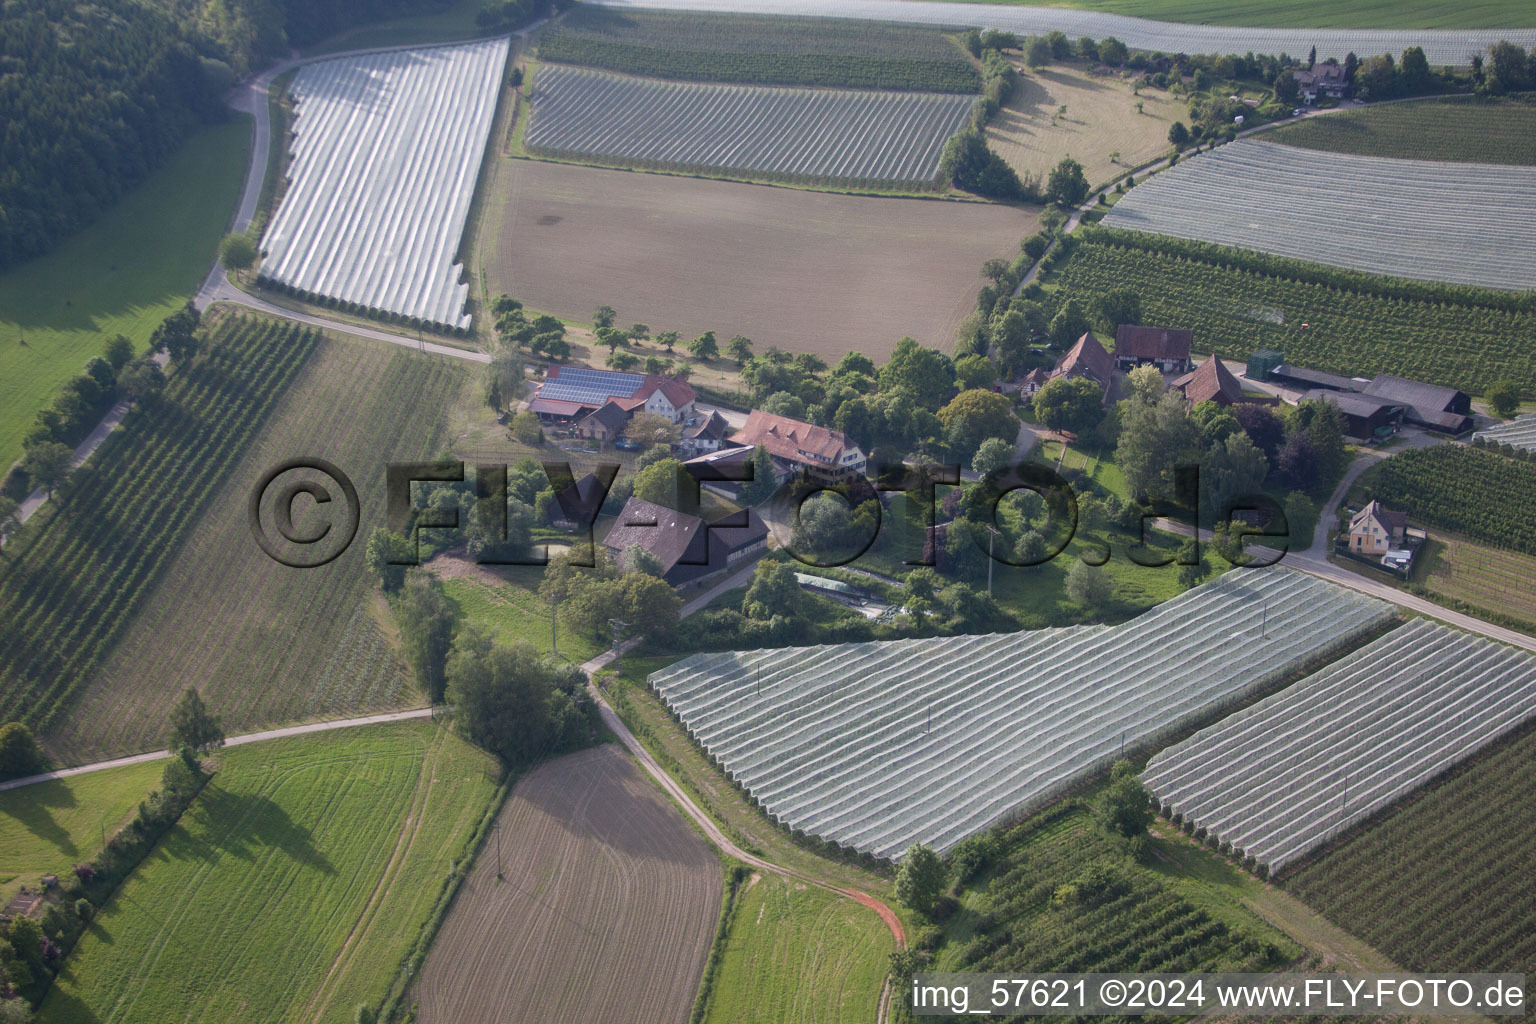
[(926, 374), (1503, 398), (503, 304), (1069, 324), (493, 391), (177, 334), (666, 483), (427, 626), (20, 755), (1193, 566), (773, 592), (1088, 586), (15, 1011), (1144, 385), (1070, 403), (784, 403), (612, 337), (993, 454), (704, 347), (967, 162), (975, 415), (515, 704), (1297, 460), (1121, 306), (1287, 89), (637, 559), (1154, 440), (667, 340), (764, 482), (363, 1014), (975, 371), (918, 592), (1508, 68), (920, 879), (192, 725), (47, 465), (238, 252), (1037, 51), (117, 351), (649, 428), (1030, 549), (1262, 426), (1178, 134), (386, 557), (1068, 185), (603, 318), (739, 348), (621, 361), (1113, 52), (1123, 808)]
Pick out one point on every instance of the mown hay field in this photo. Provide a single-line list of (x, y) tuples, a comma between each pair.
[(604, 910), (805, 271), (267, 643), (291, 889), (48, 827), (785, 933), (1100, 129)]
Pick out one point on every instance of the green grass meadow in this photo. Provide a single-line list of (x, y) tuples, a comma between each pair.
[(513, 613), (50, 827), (1321, 13), (292, 887), (785, 932), (122, 275)]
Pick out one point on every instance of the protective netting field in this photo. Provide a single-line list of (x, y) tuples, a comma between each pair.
[(1278, 780), (879, 745), (386, 152)]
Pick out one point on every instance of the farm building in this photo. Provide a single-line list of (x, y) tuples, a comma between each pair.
[(826, 455), (604, 423), (570, 393), (1026, 386), (686, 546), (1376, 529), (1366, 418), (580, 502), (1428, 405), (704, 434), (1299, 377), (1166, 348), (1210, 382), (1321, 80), (1086, 359)]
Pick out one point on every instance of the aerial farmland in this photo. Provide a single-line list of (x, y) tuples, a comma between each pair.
[(1404, 218), (1129, 567), (794, 135), (383, 171)]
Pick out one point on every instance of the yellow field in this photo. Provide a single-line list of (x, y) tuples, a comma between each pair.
[(1100, 121)]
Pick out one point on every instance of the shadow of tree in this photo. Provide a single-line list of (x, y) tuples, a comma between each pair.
[(31, 808), (243, 825)]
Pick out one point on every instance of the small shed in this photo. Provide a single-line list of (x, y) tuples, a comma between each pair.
[(1263, 362)]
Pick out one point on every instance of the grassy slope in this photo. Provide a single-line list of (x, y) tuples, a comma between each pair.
[(512, 612), (306, 859), (1442, 881), (784, 933), (1458, 129), (1321, 13), (270, 644), (122, 275), (51, 826)]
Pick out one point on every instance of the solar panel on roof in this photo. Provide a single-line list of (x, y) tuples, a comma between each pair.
[(590, 387)]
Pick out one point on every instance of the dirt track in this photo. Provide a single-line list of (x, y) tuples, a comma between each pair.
[(605, 913)]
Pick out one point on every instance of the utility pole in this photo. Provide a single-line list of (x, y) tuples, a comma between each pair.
[(496, 827), (554, 628)]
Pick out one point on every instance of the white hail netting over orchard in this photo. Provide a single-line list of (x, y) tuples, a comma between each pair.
[(880, 745), (1281, 778), (384, 164), (1442, 46), (821, 133), (1519, 432), (1462, 223)]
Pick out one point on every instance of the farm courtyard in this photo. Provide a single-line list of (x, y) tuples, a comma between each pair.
[(803, 271)]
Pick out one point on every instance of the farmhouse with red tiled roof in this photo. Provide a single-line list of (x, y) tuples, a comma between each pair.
[(1166, 348)]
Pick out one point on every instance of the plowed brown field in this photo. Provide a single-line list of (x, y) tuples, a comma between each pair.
[(804, 271), (605, 911)]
